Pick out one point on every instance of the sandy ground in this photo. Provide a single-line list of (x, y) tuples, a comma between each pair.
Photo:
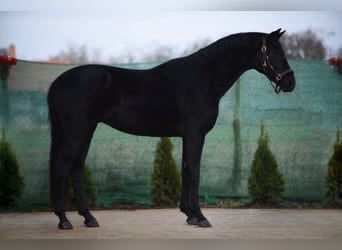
[(170, 224)]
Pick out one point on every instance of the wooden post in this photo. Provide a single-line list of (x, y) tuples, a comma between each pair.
[(4, 103)]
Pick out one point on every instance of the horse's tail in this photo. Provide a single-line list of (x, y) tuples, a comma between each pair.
[(56, 139)]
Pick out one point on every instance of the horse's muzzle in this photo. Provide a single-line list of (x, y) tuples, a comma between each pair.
[(288, 83)]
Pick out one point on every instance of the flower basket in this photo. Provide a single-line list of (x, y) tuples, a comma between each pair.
[(6, 63)]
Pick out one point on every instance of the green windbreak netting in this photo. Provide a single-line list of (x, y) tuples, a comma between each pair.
[(301, 126)]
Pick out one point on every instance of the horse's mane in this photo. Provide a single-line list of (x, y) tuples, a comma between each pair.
[(227, 45)]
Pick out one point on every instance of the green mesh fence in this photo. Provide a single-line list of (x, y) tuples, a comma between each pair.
[(301, 126)]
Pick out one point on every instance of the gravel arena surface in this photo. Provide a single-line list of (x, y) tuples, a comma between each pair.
[(170, 224)]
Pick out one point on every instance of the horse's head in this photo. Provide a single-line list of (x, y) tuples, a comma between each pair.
[(273, 64)]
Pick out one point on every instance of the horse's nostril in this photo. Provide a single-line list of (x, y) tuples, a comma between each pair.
[(293, 84)]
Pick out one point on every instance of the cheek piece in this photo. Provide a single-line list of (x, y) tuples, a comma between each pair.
[(266, 63)]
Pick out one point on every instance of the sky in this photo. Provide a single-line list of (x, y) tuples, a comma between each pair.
[(39, 33), (128, 5)]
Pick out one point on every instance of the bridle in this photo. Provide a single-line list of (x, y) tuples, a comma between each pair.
[(267, 63)]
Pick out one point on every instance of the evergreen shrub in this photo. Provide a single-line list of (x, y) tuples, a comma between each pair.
[(165, 178), (333, 180), (11, 182), (266, 182)]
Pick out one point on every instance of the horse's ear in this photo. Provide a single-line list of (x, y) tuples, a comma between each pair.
[(277, 33)]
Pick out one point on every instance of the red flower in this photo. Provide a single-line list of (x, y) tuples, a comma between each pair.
[(338, 62), (332, 60), (3, 60), (12, 60), (7, 61)]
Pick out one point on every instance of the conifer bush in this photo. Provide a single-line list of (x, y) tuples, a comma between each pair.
[(266, 182), (165, 178), (11, 182), (333, 180)]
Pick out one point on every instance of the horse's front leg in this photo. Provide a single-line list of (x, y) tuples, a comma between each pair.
[(185, 202), (192, 151)]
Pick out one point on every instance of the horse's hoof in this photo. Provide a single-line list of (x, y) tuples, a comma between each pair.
[(91, 223), (204, 223), (65, 225), (192, 221)]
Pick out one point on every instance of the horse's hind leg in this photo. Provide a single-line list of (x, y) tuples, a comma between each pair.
[(76, 174), (59, 177), (69, 162)]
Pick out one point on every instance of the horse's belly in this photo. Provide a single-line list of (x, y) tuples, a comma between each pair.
[(146, 124)]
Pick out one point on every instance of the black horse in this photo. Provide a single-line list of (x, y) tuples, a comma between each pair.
[(179, 98)]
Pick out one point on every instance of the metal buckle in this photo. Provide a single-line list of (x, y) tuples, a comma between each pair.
[(263, 48)]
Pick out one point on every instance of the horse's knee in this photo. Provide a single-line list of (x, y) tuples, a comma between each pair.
[(194, 182), (185, 173)]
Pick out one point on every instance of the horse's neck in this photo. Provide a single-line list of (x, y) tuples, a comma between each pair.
[(223, 68)]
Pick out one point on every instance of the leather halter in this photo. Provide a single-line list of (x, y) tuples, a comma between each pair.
[(267, 63)]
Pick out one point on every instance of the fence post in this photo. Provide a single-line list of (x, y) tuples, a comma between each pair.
[(236, 171), (4, 103)]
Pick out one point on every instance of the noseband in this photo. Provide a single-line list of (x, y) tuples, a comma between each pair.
[(267, 63)]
